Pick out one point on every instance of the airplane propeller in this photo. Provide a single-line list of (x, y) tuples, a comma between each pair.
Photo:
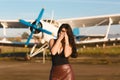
[(35, 26)]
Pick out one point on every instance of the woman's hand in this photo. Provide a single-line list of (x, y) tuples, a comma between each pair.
[(61, 36), (66, 38)]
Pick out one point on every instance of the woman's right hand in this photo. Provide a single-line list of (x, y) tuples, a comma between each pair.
[(61, 36)]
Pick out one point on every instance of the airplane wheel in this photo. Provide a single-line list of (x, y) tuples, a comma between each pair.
[(27, 57)]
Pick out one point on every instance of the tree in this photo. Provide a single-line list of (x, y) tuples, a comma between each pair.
[(25, 35)]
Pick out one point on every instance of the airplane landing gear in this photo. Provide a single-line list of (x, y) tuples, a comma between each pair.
[(27, 57)]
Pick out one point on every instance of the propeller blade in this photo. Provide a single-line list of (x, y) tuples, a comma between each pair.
[(34, 26), (25, 22), (28, 40), (45, 31), (40, 16), (42, 30)]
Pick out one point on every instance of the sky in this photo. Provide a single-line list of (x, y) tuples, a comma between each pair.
[(29, 9)]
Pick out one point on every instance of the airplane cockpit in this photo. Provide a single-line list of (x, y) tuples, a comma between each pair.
[(55, 23)]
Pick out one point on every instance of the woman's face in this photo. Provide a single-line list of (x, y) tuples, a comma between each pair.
[(62, 32)]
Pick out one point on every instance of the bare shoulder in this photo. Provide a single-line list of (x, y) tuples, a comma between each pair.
[(51, 42)]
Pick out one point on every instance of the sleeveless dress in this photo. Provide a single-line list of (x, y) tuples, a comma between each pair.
[(61, 69)]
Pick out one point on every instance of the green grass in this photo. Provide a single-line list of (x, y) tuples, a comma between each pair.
[(91, 55), (111, 50), (7, 49)]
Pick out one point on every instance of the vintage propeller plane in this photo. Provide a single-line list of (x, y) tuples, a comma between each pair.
[(47, 29), (41, 28)]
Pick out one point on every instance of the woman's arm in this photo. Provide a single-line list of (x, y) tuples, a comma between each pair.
[(54, 46), (68, 48)]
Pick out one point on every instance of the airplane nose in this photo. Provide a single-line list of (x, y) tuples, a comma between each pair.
[(39, 25)]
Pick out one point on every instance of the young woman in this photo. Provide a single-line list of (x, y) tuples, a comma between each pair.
[(61, 49)]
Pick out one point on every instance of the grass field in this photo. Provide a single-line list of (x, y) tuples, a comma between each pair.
[(109, 54), (110, 50), (91, 51)]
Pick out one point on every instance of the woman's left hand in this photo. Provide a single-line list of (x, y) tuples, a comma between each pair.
[(66, 38)]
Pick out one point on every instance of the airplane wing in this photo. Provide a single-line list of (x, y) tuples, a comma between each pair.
[(16, 44), (94, 21), (12, 24), (91, 21)]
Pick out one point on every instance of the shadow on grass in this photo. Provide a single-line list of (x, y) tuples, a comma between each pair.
[(20, 56)]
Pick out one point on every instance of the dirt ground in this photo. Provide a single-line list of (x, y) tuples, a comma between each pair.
[(36, 70)]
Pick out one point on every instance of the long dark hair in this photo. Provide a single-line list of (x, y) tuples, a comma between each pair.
[(71, 38)]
